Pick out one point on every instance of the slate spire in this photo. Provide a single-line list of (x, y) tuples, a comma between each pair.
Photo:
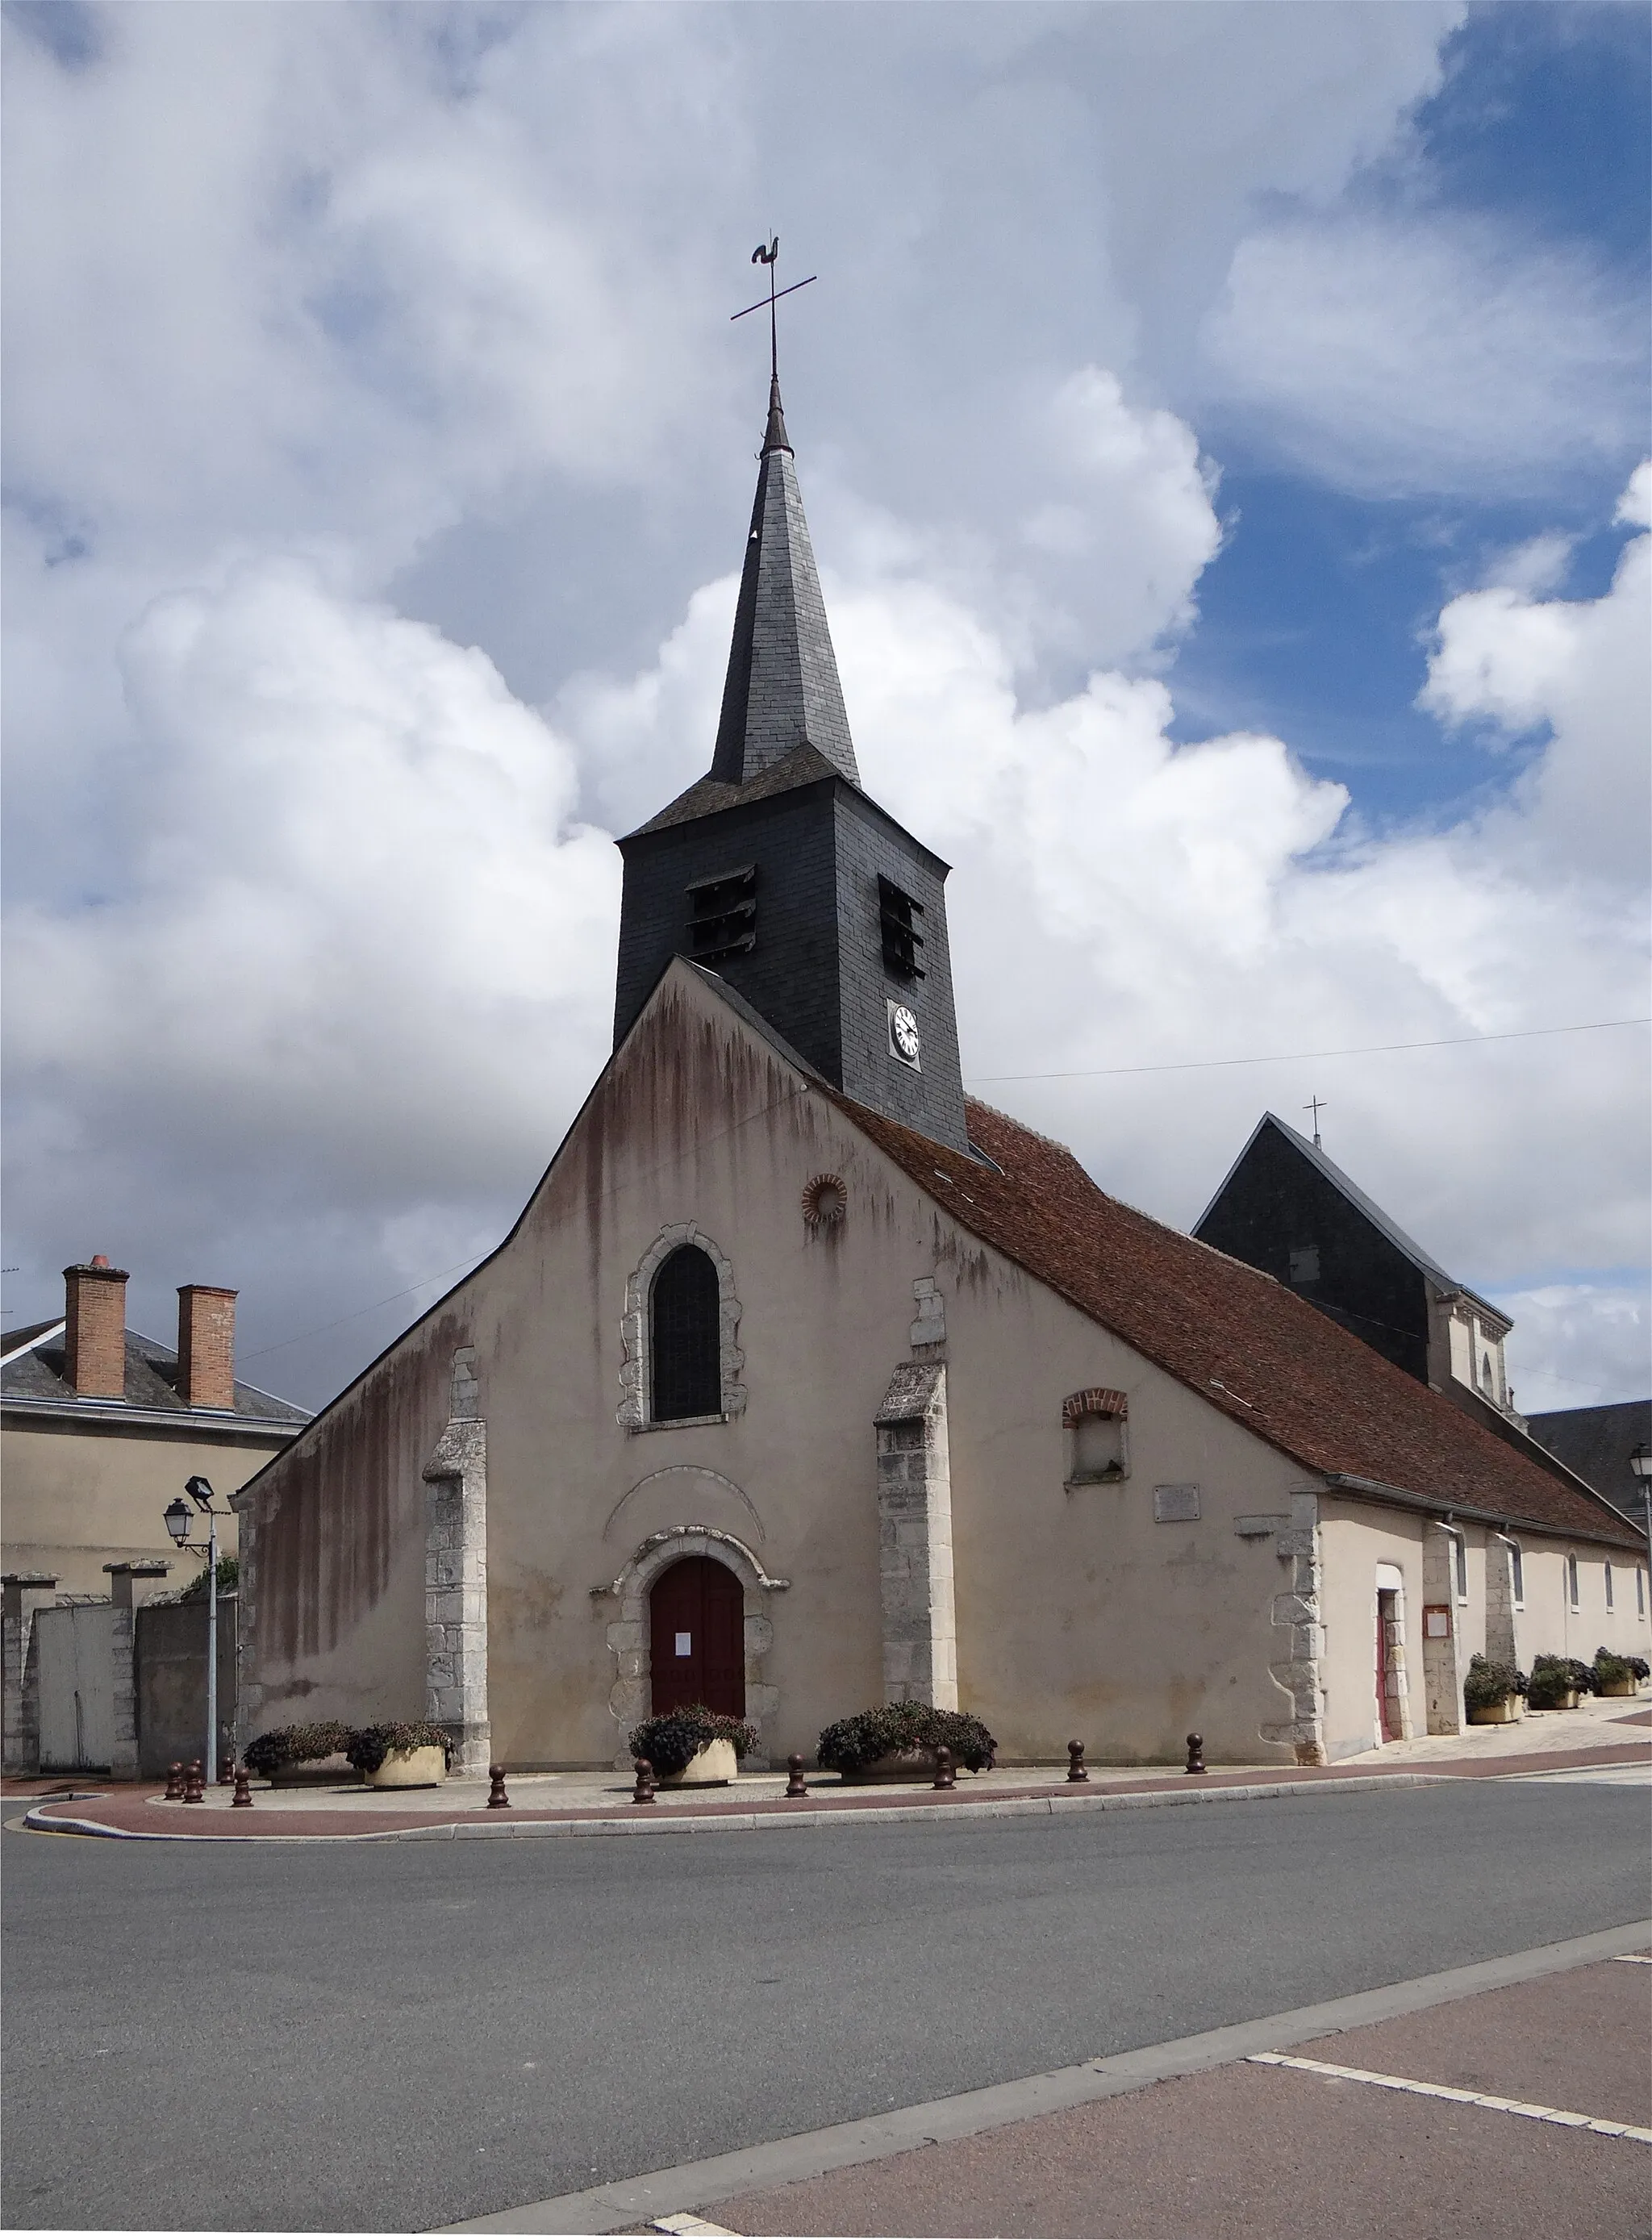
[(782, 691)]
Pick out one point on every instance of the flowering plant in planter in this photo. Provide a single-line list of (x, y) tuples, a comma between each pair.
[(368, 1747), (672, 1740), (1486, 1683), (269, 1754), (1554, 1678), (1616, 1676), (851, 1743)]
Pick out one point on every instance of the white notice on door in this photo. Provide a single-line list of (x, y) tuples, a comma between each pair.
[(685, 1645)]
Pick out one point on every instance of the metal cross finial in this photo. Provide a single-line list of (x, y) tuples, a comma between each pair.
[(767, 252), (1316, 1105)]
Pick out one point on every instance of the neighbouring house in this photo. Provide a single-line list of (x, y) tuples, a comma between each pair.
[(804, 1382), (99, 1428), (1596, 1444)]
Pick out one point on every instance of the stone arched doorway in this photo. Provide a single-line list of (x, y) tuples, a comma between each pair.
[(696, 1638), (629, 1635)]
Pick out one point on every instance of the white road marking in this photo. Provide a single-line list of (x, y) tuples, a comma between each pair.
[(1636, 1959), (1564, 2116), (693, 2225)]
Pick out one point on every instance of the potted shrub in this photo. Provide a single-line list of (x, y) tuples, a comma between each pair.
[(693, 1748), (299, 1757), (898, 1742), (1617, 1676), (1491, 1693), (1556, 1683), (402, 1753)]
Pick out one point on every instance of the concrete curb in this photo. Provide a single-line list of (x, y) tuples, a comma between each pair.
[(632, 2201), (42, 1824)]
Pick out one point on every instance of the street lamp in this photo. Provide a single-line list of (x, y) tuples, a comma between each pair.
[(1640, 1463), (177, 1518)]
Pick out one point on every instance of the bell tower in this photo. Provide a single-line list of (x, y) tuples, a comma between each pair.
[(779, 873)]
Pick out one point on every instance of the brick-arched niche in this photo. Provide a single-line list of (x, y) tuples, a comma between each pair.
[(628, 1634), (634, 1413)]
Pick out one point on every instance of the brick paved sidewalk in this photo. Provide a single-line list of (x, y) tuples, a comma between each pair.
[(1255, 2148), (601, 1803)]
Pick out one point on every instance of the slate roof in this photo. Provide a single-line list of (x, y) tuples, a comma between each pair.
[(1596, 1443), (1350, 1190), (1247, 1344), (805, 765), (151, 1383), (781, 690)]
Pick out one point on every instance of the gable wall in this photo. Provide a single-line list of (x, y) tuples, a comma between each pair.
[(1274, 1201)]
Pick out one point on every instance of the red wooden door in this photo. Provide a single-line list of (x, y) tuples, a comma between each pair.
[(696, 1638)]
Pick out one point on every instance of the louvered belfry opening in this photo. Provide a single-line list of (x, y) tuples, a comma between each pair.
[(683, 1345)]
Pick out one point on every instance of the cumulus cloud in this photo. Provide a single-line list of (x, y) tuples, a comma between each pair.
[(1576, 1345), (1427, 354), (361, 960), (1579, 671), (319, 322)]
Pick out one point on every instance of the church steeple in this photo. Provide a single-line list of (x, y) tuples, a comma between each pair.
[(782, 691), (776, 873)]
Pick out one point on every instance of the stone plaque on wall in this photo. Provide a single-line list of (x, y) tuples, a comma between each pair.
[(1176, 1504)]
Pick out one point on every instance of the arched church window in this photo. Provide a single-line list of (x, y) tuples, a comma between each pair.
[(684, 1350)]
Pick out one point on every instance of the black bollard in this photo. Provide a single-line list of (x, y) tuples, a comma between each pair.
[(175, 1782), (226, 1772), (194, 1784), (944, 1776), (795, 1786), (497, 1801), (242, 1787), (1196, 1753), (644, 1792), (1076, 1769)]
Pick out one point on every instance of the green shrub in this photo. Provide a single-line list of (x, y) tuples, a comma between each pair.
[(1638, 1665), (368, 1747), (1487, 1683), (669, 1741), (1612, 1671), (852, 1744), (285, 1746), (228, 1580)]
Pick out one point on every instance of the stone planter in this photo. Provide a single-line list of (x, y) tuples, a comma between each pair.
[(898, 1765), (1629, 1687), (316, 1773), (1566, 1702), (424, 1768), (1495, 1715), (714, 1767)]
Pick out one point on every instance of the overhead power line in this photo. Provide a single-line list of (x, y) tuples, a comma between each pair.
[(1298, 1057)]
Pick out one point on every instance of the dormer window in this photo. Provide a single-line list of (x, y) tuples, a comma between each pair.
[(723, 915), (1096, 1428), (898, 914)]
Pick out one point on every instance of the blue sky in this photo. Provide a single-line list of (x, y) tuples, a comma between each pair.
[(1220, 429), (1315, 617)]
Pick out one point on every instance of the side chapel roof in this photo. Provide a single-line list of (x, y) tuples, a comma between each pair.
[(1247, 1344), (38, 1376)]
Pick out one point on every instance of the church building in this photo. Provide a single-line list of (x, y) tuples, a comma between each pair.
[(805, 1382)]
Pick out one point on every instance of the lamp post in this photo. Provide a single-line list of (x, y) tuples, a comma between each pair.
[(1640, 1463), (178, 1518)]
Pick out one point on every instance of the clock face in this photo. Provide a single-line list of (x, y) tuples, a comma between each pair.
[(903, 1033)]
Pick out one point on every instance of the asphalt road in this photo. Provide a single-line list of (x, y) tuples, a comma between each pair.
[(395, 2035)]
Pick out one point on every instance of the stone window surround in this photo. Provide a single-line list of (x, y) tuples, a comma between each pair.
[(632, 1414), (1113, 1406), (627, 1635)]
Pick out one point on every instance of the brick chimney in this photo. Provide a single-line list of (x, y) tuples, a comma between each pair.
[(95, 1341), (206, 1346)]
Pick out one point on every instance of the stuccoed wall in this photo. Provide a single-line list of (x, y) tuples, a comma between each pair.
[(76, 1500), (1077, 1613)]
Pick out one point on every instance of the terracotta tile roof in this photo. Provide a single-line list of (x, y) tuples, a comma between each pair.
[(1245, 1343)]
